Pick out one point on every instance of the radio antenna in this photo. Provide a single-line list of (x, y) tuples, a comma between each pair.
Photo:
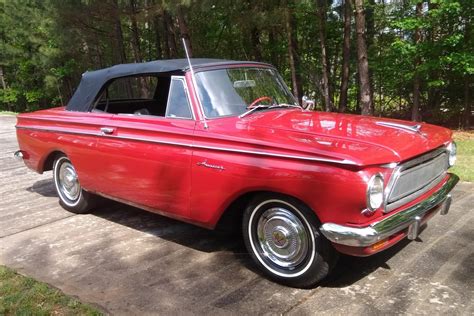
[(193, 79)]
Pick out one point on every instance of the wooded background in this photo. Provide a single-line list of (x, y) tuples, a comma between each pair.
[(397, 58)]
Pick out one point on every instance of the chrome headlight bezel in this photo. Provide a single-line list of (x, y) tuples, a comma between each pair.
[(451, 148), (375, 186)]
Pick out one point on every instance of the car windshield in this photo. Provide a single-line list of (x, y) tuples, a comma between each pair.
[(233, 91)]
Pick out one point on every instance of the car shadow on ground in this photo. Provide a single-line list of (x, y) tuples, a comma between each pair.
[(43, 187), (348, 270)]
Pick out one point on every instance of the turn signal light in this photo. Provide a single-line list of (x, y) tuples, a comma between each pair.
[(379, 244)]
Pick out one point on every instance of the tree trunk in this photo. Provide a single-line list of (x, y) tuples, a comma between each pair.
[(184, 30), (170, 36), (293, 51), (4, 87), (99, 51), (415, 111), (136, 47), (2, 79), (70, 89), (467, 79), (166, 46), (272, 41), (365, 89), (321, 12), (255, 36), (370, 27), (345, 56), (122, 58), (370, 22), (467, 104), (137, 54), (158, 47)]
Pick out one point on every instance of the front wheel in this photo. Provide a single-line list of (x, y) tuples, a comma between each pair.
[(71, 195), (282, 236)]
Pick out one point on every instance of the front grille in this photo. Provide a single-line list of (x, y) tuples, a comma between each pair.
[(416, 177)]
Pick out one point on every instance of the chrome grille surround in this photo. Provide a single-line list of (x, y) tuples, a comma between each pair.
[(415, 177)]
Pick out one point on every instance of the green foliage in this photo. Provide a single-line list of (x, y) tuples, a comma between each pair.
[(25, 55), (9, 96)]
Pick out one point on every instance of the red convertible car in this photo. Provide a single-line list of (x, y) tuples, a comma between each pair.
[(226, 139)]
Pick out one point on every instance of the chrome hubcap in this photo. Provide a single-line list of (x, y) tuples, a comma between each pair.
[(68, 182), (282, 237)]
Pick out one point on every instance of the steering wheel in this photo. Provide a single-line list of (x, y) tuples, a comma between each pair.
[(254, 103)]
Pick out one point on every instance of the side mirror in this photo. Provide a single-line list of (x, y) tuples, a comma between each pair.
[(307, 103)]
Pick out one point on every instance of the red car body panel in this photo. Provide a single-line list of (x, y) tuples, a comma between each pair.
[(194, 169)]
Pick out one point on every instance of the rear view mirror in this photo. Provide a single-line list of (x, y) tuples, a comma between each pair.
[(244, 84), (307, 103)]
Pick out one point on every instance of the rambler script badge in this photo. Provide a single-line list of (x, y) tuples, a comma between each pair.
[(207, 165)]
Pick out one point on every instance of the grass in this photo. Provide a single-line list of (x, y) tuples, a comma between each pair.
[(7, 113), (21, 295), (464, 166)]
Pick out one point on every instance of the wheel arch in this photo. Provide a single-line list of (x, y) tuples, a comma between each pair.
[(48, 162), (233, 213)]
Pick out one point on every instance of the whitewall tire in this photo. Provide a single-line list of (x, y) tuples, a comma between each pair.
[(282, 236), (71, 195)]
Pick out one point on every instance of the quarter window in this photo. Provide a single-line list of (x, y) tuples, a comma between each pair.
[(178, 103)]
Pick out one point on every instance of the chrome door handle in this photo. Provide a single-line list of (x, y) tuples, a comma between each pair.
[(107, 130)]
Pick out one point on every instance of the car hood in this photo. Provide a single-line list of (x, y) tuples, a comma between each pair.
[(360, 140)]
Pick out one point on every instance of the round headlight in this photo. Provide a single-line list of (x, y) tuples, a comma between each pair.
[(452, 153), (375, 192)]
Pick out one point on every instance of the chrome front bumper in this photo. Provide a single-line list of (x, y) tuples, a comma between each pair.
[(410, 217)]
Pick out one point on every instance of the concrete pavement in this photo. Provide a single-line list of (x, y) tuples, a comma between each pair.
[(129, 261)]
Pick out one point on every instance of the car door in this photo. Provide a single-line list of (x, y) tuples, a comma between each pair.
[(145, 159)]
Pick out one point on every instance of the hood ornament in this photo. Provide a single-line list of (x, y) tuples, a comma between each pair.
[(412, 128)]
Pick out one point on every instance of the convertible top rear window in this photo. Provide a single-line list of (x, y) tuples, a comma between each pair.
[(140, 87)]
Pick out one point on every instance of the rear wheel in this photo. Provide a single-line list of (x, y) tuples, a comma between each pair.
[(71, 195), (283, 238)]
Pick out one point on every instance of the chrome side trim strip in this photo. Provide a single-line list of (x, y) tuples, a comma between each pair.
[(369, 235), (261, 153), (51, 130), (241, 151)]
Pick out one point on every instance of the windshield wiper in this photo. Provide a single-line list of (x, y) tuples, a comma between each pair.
[(285, 105), (260, 106)]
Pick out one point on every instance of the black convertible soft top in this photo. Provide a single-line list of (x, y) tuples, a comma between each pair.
[(92, 81)]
